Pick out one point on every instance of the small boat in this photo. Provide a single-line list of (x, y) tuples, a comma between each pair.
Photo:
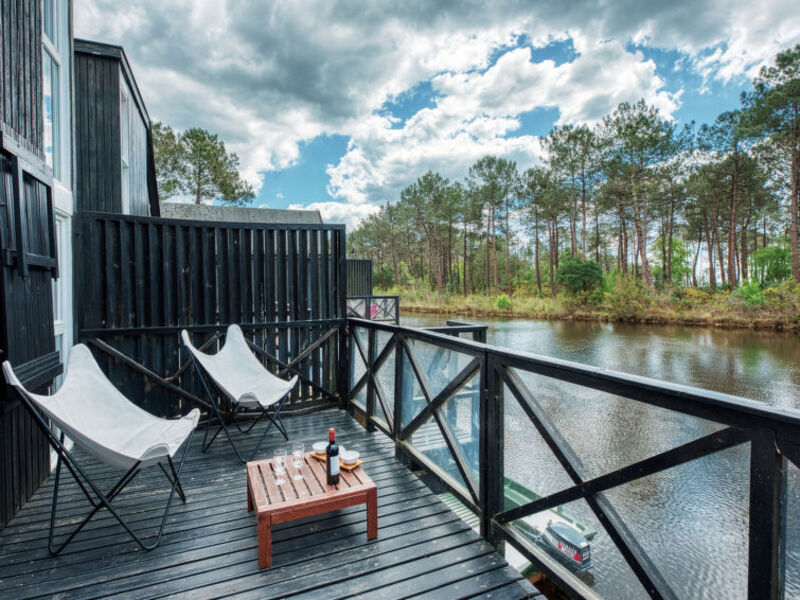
[(546, 529), (568, 545), (517, 494)]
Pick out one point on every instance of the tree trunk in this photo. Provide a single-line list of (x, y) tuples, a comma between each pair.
[(640, 225), (597, 234), (732, 223), (663, 241), (624, 247), (551, 238), (712, 276), (495, 278), (743, 251), (696, 257), (721, 258), (583, 210), (488, 265), (670, 227), (536, 249), (508, 252), (465, 256), (795, 200), (573, 226)]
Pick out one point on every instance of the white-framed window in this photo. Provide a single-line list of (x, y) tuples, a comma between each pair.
[(62, 299), (55, 87), (125, 136)]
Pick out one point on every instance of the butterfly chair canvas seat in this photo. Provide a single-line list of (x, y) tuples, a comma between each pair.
[(105, 424), (243, 380)]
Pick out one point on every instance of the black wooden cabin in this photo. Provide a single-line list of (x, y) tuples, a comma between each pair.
[(114, 166)]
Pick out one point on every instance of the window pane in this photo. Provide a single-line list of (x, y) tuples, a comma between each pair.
[(49, 19), (124, 109), (50, 77), (58, 284)]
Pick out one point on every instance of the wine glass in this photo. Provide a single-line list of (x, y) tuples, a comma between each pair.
[(298, 459), (279, 465)]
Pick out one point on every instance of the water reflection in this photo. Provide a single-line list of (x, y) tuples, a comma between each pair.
[(692, 520)]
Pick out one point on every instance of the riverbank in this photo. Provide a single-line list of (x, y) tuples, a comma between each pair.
[(714, 311)]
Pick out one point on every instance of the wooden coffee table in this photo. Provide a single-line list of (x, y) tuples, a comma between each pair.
[(309, 496)]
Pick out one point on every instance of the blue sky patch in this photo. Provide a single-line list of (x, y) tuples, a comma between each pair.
[(305, 182), (409, 103)]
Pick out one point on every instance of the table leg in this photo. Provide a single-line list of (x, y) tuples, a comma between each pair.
[(264, 542), (249, 498), (372, 514)]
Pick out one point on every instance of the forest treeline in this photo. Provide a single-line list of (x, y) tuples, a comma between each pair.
[(636, 198)]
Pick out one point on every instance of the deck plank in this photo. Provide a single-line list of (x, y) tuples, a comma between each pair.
[(209, 549)]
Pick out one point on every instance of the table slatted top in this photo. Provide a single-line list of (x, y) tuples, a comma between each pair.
[(268, 496)]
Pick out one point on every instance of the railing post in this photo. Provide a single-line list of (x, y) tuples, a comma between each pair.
[(398, 394), (346, 351), (372, 338), (767, 518), (492, 493)]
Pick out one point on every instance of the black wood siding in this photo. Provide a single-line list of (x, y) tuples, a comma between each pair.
[(26, 334), (97, 134), (26, 302), (21, 83)]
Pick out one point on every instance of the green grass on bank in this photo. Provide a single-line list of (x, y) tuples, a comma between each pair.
[(750, 305)]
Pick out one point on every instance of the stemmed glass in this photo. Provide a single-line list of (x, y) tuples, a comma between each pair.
[(298, 458), (279, 464)]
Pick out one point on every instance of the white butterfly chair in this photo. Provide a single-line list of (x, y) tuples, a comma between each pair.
[(246, 386), (105, 424)]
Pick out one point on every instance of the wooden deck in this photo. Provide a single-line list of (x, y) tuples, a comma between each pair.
[(209, 549)]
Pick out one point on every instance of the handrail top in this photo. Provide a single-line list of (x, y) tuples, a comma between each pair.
[(739, 410)]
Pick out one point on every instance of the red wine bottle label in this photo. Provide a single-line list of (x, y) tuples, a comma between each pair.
[(334, 462)]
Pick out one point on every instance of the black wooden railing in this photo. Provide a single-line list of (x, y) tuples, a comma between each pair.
[(374, 308), (442, 402)]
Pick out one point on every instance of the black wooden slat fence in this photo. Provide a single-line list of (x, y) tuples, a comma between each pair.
[(359, 277), (142, 280)]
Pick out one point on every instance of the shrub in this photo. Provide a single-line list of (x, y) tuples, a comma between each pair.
[(784, 297), (383, 277), (628, 298), (773, 264), (504, 302), (750, 293), (577, 276), (692, 298)]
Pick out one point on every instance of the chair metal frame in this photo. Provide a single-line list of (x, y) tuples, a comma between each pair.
[(228, 416), (100, 500)]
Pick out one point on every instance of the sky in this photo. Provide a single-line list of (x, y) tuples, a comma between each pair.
[(339, 105)]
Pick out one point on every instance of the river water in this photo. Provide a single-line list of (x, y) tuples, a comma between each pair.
[(692, 520)]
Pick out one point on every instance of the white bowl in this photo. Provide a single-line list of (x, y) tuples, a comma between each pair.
[(349, 457), (319, 447)]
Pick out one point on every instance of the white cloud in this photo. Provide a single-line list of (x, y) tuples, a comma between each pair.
[(476, 113), (339, 212), (269, 76)]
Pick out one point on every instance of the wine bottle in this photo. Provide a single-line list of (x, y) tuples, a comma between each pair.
[(332, 459)]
